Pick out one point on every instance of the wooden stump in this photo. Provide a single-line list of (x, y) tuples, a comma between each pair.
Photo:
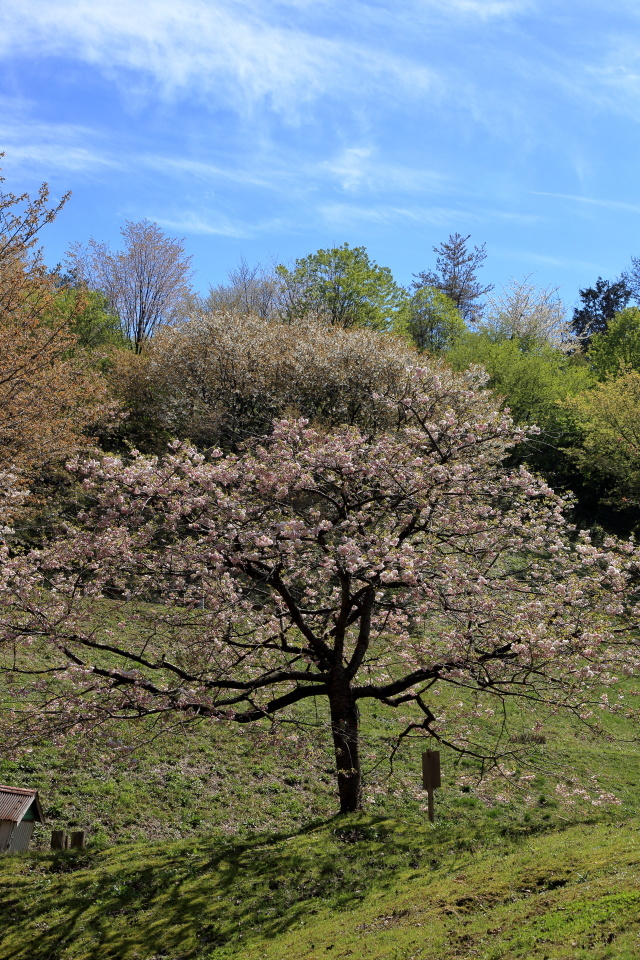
[(59, 840), (79, 839)]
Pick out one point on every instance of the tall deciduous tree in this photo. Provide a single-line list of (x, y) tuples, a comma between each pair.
[(321, 566), (343, 286), (610, 418), (534, 379), (251, 290), (533, 382), (631, 279), (456, 275), (48, 397), (91, 321), (147, 283)]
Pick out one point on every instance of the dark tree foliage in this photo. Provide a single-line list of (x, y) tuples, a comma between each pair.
[(632, 280), (599, 305), (456, 275)]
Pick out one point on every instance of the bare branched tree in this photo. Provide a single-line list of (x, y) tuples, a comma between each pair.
[(147, 284), (250, 291)]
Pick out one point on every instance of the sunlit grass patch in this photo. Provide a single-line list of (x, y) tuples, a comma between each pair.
[(359, 887)]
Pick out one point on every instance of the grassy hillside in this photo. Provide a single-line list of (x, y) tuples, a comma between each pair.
[(210, 842), (213, 779), (361, 887)]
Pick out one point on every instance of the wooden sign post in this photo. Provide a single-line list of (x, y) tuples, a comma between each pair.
[(431, 776)]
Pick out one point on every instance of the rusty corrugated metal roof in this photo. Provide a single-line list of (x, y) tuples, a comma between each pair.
[(15, 801)]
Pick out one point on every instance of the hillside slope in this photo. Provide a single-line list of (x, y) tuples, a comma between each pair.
[(358, 887)]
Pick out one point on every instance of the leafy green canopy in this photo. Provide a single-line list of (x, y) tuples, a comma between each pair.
[(610, 421), (619, 346), (535, 379), (434, 323), (345, 287), (94, 325), (532, 381)]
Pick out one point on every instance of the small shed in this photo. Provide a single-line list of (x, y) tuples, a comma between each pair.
[(20, 810)]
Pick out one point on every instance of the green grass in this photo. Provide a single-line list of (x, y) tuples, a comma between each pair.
[(212, 843), (193, 782), (358, 887), (212, 779)]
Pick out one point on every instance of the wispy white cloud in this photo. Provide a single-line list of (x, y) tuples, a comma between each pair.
[(214, 224), (245, 53), (196, 223), (359, 169), (185, 167), (591, 201), (470, 212), (35, 145), (350, 167), (615, 80), (599, 64), (41, 148), (566, 264), (350, 215), (483, 9), (56, 156)]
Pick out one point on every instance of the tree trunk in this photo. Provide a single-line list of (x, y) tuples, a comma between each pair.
[(344, 727)]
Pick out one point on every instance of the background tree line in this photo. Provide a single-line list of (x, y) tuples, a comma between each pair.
[(117, 346)]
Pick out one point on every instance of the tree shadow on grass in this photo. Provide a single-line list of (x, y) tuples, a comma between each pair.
[(184, 901)]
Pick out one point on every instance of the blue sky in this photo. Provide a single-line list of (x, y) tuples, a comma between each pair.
[(271, 129)]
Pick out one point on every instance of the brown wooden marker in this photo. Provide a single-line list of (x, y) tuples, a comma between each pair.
[(431, 777)]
